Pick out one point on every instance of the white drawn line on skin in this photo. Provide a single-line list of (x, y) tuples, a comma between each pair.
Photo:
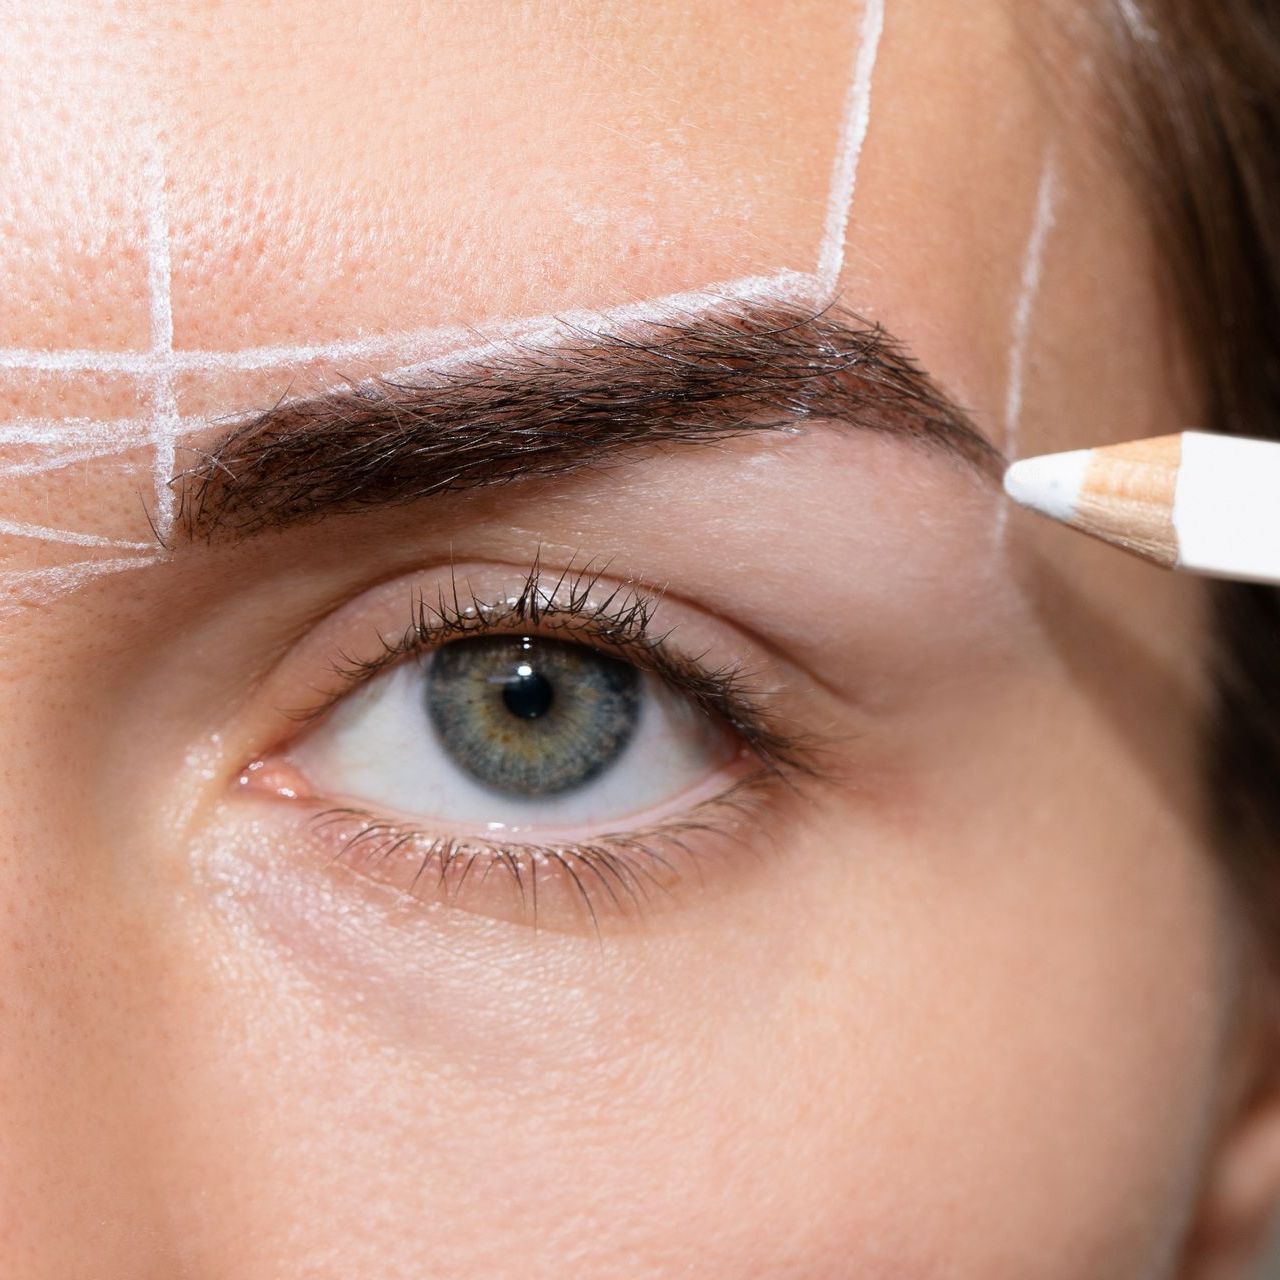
[(38, 586), (21, 529), (67, 432), (50, 444), (1136, 20), (60, 460), (558, 328), (853, 133), (1023, 313), (1028, 292), (54, 462), (462, 346), (77, 360), (83, 440), (785, 283), (165, 423)]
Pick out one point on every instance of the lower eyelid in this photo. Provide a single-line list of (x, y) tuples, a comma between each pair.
[(589, 887), (281, 779)]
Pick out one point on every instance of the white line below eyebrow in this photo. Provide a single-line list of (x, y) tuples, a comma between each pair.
[(21, 529), (41, 584)]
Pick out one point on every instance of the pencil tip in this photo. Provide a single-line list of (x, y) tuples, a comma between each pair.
[(1049, 484)]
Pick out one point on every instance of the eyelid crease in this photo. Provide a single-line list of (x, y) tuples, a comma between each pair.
[(567, 605)]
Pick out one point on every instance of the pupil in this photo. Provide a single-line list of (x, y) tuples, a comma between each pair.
[(526, 694)]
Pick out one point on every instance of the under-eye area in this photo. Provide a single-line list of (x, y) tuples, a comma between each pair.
[(555, 747)]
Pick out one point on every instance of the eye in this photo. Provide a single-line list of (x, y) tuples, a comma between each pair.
[(525, 733), (551, 753)]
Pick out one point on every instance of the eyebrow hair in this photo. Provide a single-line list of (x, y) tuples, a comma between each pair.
[(521, 409)]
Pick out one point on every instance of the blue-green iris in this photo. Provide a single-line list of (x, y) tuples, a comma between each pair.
[(529, 716)]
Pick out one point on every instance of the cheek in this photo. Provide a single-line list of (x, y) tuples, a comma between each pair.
[(909, 1048)]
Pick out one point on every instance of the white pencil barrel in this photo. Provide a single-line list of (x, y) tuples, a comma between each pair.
[(1227, 507)]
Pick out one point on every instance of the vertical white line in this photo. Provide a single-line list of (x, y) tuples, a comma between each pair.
[(853, 133), (1023, 313), (165, 424), (1028, 291)]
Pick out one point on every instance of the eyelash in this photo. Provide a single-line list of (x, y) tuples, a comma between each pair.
[(619, 870), (616, 870)]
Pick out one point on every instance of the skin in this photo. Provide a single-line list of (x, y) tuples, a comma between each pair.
[(980, 1007)]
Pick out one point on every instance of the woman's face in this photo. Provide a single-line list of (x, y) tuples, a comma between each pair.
[(944, 987)]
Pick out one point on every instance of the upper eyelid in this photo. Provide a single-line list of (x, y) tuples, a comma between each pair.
[(620, 618), (453, 619)]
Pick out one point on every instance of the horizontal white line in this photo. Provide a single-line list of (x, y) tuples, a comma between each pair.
[(795, 286), (63, 432), (20, 529), (34, 586)]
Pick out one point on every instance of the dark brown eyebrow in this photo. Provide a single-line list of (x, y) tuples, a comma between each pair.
[(522, 409)]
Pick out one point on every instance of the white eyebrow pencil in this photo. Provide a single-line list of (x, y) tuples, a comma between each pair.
[(1197, 502)]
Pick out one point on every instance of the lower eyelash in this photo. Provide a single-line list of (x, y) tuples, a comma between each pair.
[(614, 875)]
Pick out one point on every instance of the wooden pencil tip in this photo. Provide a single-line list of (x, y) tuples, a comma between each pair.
[(1050, 484)]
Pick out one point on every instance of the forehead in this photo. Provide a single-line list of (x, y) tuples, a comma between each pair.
[(332, 169), (231, 182)]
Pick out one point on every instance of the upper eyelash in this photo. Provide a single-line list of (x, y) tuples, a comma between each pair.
[(620, 621)]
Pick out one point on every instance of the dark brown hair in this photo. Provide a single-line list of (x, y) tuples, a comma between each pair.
[(1198, 105)]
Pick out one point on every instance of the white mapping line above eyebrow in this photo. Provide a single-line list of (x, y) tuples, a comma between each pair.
[(853, 133), (548, 331), (785, 284)]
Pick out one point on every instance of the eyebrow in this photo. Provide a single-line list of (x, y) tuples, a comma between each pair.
[(521, 409)]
